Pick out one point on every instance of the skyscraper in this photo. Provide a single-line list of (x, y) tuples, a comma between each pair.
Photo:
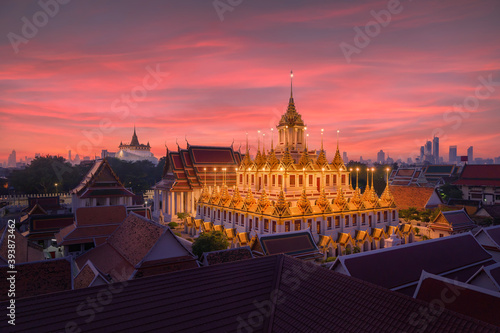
[(345, 158), (453, 154), (11, 162), (435, 149), (422, 151), (381, 157), (470, 154)]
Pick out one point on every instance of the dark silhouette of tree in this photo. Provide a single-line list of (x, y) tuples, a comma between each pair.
[(209, 241)]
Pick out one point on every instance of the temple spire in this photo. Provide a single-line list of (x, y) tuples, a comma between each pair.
[(291, 84), (322, 138), (338, 131)]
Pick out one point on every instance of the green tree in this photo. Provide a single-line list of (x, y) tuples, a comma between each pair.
[(409, 214), (210, 241), (449, 191), (42, 175)]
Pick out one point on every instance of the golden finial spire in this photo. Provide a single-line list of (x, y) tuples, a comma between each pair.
[(291, 84), (322, 138), (272, 138), (338, 131), (258, 140)]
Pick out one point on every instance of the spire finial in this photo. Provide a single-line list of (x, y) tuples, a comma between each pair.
[(258, 140), (338, 131), (322, 130), (291, 84)]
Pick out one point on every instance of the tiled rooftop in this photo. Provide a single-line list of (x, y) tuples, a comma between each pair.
[(230, 297)]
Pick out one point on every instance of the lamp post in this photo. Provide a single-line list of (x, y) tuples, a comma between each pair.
[(387, 175), (56, 186), (357, 177)]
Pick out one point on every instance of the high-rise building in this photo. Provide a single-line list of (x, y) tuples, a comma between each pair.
[(11, 162), (453, 154), (69, 155), (435, 149), (345, 158), (381, 157), (470, 154), (422, 152), (428, 148)]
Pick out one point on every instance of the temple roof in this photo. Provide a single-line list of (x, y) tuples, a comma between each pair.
[(100, 181)]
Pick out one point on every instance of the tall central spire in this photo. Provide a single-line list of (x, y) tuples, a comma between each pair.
[(291, 85)]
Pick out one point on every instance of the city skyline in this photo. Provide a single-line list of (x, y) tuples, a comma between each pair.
[(211, 80)]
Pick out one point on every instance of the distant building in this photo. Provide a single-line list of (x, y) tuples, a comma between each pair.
[(422, 154), (470, 154), (100, 187), (345, 158), (136, 151), (435, 149), (452, 155), (389, 160), (12, 160), (480, 183), (381, 157)]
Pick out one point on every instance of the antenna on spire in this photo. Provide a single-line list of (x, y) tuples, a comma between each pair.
[(258, 140), (338, 131), (291, 84)]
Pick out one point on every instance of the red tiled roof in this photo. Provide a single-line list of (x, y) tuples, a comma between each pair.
[(107, 260), (25, 250), (50, 222), (100, 177), (128, 249), (230, 296), (38, 278), (100, 215), (480, 175), (188, 166), (396, 266), (47, 203), (135, 237), (411, 196), (468, 300)]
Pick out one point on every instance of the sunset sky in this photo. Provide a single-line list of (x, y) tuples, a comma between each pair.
[(225, 73)]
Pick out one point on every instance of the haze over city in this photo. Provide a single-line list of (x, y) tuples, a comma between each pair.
[(212, 75)]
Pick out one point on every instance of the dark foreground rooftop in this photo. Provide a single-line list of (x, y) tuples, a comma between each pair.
[(273, 293)]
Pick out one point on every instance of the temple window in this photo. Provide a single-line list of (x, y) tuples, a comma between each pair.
[(327, 180), (274, 226), (385, 216), (274, 180), (337, 221), (301, 180), (346, 218), (250, 225), (292, 180), (393, 215), (335, 179), (265, 179), (363, 219), (241, 179), (297, 224), (256, 224), (343, 179), (266, 225), (310, 180), (280, 180), (287, 226), (329, 222), (318, 227), (309, 224), (355, 220), (253, 179)]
